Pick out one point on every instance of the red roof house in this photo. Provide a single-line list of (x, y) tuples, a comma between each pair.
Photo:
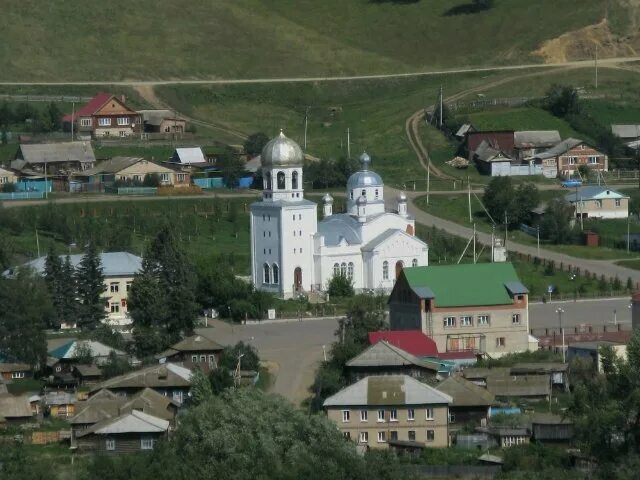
[(502, 140), (105, 115), (412, 341)]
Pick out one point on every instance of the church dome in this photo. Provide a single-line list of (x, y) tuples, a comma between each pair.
[(402, 197), (364, 177), (327, 198), (281, 152)]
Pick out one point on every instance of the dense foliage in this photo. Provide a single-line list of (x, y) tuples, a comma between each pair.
[(555, 225), (340, 286), (89, 281), (506, 203)]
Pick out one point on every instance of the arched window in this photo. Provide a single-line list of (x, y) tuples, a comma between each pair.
[(267, 181), (336, 269), (377, 193), (350, 271), (294, 180), (385, 270), (280, 180), (364, 192), (276, 274), (343, 269), (399, 267), (266, 275), (351, 194), (414, 262)]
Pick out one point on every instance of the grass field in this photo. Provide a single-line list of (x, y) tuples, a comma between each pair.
[(121, 40)]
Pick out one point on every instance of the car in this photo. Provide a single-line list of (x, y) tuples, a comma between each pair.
[(571, 183)]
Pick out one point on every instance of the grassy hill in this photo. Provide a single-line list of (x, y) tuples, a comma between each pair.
[(119, 40)]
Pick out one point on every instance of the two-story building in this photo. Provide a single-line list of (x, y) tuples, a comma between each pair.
[(599, 202), (105, 115), (568, 155), (481, 308), (194, 351), (379, 410)]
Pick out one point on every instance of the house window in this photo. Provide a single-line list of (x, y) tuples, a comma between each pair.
[(58, 368), (393, 415), (382, 437), (110, 444), (123, 121), (294, 180), (429, 413), (114, 287), (194, 358), (177, 396), (17, 374), (123, 303), (129, 286), (573, 160), (593, 160), (346, 435), (336, 269), (466, 321), (515, 319), (431, 435), (364, 193), (385, 270), (483, 320), (598, 203), (4, 179), (393, 435), (203, 358), (280, 180), (276, 274), (181, 177), (618, 202), (411, 413), (266, 274), (122, 133), (500, 342), (364, 416), (115, 307), (350, 271), (146, 443), (452, 417), (412, 435), (381, 415), (346, 415), (449, 322), (85, 122), (212, 359), (364, 437), (414, 262), (164, 177), (104, 122)]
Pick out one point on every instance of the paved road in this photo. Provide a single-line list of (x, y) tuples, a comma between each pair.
[(597, 313), (222, 81)]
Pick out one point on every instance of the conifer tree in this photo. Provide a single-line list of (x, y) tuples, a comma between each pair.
[(90, 287), (53, 278)]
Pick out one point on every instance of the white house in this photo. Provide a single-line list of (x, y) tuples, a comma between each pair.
[(599, 202), (293, 253)]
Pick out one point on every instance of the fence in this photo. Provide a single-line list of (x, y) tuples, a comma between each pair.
[(21, 196), (483, 103), (209, 182), (454, 471), (136, 190), (44, 98), (44, 438)]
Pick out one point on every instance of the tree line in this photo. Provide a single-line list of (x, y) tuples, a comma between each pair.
[(27, 117)]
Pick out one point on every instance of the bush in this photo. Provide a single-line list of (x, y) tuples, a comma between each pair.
[(340, 286)]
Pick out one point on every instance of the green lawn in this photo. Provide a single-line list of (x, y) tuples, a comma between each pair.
[(271, 38), (611, 112), (522, 118)]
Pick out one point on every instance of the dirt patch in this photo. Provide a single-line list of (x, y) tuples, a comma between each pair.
[(581, 44)]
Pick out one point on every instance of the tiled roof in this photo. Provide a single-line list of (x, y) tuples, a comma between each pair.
[(89, 108), (412, 341)]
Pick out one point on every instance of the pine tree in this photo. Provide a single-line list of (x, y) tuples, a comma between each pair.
[(70, 305), (53, 278), (90, 287)]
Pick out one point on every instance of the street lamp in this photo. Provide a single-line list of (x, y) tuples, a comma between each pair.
[(560, 311), (572, 278)]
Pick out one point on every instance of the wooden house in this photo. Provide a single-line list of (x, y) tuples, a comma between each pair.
[(15, 409), (470, 404), (196, 350), (105, 115)]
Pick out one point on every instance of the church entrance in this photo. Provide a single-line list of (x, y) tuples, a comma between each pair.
[(399, 267), (297, 279)]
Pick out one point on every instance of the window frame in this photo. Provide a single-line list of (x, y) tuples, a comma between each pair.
[(501, 342), (446, 321), (382, 436), (385, 270), (346, 416), (85, 122), (364, 415), (114, 287), (466, 317), (481, 323), (393, 415), (515, 319), (123, 121), (411, 414), (381, 416), (363, 437), (104, 122), (411, 433), (431, 435), (429, 414), (147, 443), (110, 444)]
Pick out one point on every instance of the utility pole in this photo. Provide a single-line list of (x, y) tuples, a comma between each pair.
[(628, 219), (469, 199), (348, 144), (474, 242), (560, 311), (306, 121), (505, 230), (428, 179), (38, 243), (596, 66), (46, 185), (441, 100), (538, 235), (73, 119), (493, 242)]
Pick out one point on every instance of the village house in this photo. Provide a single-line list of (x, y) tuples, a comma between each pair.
[(60, 404), (87, 374), (15, 409), (169, 379), (480, 308), (7, 177), (533, 388), (547, 427), (599, 202), (556, 373), (196, 350), (128, 433), (105, 115), (378, 410), (528, 143), (383, 358), (162, 121), (14, 371), (190, 157), (505, 437), (629, 134), (118, 269), (470, 403), (133, 171), (591, 351), (55, 161), (499, 140), (572, 153)]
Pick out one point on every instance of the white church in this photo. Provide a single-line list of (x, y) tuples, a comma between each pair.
[(292, 253)]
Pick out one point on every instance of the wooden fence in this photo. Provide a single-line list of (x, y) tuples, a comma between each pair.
[(45, 438)]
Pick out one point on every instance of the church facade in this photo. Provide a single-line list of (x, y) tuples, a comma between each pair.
[(294, 253)]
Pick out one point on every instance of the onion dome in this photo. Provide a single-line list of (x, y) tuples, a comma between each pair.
[(281, 151), (327, 198)]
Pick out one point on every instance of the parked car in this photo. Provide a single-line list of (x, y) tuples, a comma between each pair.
[(571, 183)]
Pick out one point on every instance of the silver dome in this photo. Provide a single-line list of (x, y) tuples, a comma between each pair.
[(327, 198), (281, 152), (362, 200), (402, 197), (364, 178), (365, 159)]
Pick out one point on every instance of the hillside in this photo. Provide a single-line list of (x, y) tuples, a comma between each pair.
[(117, 40)]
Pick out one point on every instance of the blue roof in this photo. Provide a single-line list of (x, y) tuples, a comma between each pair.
[(114, 264), (588, 193), (338, 226)]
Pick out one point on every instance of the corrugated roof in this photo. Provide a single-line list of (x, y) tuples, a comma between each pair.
[(626, 131), (68, 350), (509, 386), (14, 367), (483, 373), (132, 422), (156, 117), (59, 398), (15, 407), (155, 376), (89, 370), (536, 138), (466, 284), (388, 390), (593, 192), (91, 107), (114, 264), (560, 148), (113, 165), (516, 288), (196, 343), (383, 354), (338, 227), (539, 367), (414, 342), (465, 393), (190, 155), (39, 153)]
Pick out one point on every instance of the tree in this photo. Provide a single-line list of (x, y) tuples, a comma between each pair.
[(151, 180), (231, 167), (83, 353), (503, 201), (201, 390), (55, 116), (562, 100), (26, 308), (340, 286), (254, 143), (90, 287), (250, 359), (6, 116), (555, 225)]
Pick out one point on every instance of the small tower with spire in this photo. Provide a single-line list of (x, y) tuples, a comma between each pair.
[(361, 204), (327, 206), (402, 205)]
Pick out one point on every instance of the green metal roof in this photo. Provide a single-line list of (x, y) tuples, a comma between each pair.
[(465, 285)]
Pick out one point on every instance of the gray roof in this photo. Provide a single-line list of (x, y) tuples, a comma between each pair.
[(114, 264), (488, 154), (281, 151), (36, 153), (88, 370), (388, 390), (536, 138), (156, 376), (382, 237), (423, 292), (189, 155), (462, 131), (115, 165), (516, 288), (383, 354), (364, 178), (560, 148), (529, 386), (589, 193), (155, 117), (484, 373), (626, 131), (59, 398), (285, 203), (132, 422), (539, 367), (15, 407), (465, 393), (196, 343), (336, 227)]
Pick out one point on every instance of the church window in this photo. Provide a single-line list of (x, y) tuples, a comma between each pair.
[(269, 233), (301, 250), (294, 216), (343, 269), (294, 233), (377, 193), (268, 181), (264, 234), (263, 218), (364, 192), (264, 251), (414, 262), (294, 180), (266, 276), (281, 181), (350, 271), (295, 250), (336, 269), (299, 233), (276, 274), (351, 194), (299, 216), (385, 270)]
